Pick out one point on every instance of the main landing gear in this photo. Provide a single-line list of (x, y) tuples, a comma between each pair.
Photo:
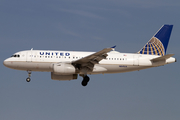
[(29, 75), (85, 80)]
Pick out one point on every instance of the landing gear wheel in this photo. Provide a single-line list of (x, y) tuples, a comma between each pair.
[(29, 75), (28, 79), (85, 81)]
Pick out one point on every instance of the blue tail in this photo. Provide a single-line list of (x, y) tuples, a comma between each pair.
[(157, 45)]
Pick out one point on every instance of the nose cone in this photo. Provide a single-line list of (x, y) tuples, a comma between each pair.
[(7, 63)]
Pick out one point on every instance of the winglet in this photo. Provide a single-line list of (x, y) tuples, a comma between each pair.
[(113, 48)]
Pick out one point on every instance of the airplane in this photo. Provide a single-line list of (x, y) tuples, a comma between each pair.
[(67, 65)]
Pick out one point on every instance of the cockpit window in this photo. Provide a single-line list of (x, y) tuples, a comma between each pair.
[(15, 55)]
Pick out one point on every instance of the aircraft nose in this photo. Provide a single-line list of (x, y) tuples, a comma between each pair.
[(6, 63)]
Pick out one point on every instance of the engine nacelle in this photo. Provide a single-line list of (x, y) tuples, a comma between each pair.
[(63, 77), (63, 69)]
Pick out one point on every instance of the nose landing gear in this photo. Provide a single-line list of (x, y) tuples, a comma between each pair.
[(29, 75), (28, 79)]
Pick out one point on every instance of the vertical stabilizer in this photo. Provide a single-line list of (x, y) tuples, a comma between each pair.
[(157, 45)]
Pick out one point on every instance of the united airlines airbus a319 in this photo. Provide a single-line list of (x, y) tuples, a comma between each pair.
[(67, 65)]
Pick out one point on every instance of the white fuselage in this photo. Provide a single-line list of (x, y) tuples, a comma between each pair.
[(67, 65), (115, 62)]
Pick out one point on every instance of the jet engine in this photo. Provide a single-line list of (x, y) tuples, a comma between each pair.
[(63, 69), (63, 77)]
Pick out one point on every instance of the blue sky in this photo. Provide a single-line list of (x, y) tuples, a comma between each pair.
[(88, 26)]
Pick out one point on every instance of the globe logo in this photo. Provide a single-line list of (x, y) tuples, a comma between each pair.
[(153, 47)]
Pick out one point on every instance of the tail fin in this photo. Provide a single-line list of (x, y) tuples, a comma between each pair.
[(157, 45)]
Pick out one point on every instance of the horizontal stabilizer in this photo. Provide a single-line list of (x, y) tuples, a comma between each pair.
[(162, 58)]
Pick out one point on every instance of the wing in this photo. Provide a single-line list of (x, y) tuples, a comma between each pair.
[(87, 63)]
